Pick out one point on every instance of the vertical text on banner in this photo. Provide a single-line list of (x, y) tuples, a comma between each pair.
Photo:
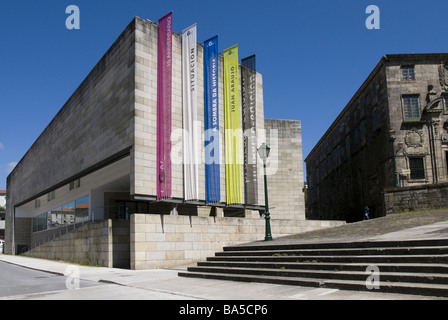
[(232, 126), (164, 77), (249, 106), (190, 136), (212, 166)]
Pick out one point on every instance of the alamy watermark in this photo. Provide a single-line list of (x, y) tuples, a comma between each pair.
[(73, 21), (249, 137), (373, 20), (373, 280), (73, 278)]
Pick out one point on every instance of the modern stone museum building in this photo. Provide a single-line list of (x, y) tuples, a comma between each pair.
[(388, 148), (99, 186)]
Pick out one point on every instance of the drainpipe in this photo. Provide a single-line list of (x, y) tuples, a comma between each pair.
[(392, 139), (432, 151), (13, 237)]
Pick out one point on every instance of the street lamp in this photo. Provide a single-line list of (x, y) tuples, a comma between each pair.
[(263, 151)]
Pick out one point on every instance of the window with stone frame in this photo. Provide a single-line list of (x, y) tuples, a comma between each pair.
[(408, 73), (417, 167), (411, 108)]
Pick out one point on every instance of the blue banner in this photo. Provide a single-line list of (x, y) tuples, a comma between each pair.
[(212, 167)]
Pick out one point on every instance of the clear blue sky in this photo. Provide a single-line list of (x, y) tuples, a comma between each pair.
[(313, 55)]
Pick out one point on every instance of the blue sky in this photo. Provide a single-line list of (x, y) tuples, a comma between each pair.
[(313, 55)]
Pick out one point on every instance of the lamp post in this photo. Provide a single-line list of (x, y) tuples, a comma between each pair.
[(263, 151)]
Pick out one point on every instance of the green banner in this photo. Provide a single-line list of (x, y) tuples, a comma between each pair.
[(232, 126)]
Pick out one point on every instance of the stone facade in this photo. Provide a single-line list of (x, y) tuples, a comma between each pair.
[(424, 197), (391, 134), (97, 159), (94, 127), (167, 241), (285, 169)]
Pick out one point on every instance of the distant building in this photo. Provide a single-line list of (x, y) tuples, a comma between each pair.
[(392, 136), (2, 198), (2, 214)]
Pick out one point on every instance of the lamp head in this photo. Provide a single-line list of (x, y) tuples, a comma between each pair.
[(264, 151)]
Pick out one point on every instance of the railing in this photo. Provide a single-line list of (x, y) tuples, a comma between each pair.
[(54, 233), (120, 212)]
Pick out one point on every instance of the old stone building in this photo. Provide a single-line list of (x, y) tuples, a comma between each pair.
[(391, 137)]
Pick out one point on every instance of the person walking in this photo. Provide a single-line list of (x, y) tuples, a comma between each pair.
[(366, 213)]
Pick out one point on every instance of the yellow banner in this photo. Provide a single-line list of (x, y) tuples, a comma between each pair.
[(232, 126)]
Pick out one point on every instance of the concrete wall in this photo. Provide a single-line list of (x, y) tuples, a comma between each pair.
[(163, 241), (150, 241), (145, 141), (121, 245), (104, 243), (100, 112), (22, 228), (285, 169)]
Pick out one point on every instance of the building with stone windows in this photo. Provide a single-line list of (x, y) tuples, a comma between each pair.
[(87, 188), (2, 214), (3, 198), (388, 146)]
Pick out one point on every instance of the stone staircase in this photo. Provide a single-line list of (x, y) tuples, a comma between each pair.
[(418, 267)]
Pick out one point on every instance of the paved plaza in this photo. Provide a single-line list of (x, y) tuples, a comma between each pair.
[(165, 284)]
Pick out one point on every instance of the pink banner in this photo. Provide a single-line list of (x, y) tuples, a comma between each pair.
[(164, 75)]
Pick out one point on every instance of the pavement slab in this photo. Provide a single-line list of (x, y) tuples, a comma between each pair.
[(165, 284)]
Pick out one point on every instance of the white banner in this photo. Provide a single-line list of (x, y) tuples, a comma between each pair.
[(190, 136)]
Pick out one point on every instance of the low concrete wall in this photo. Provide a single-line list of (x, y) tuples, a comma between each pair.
[(416, 198), (104, 243), (150, 241), (163, 241), (121, 257)]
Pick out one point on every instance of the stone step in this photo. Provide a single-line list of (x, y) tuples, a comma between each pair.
[(417, 267), (316, 259), (384, 267), (335, 245), (424, 289), (428, 250), (430, 278)]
